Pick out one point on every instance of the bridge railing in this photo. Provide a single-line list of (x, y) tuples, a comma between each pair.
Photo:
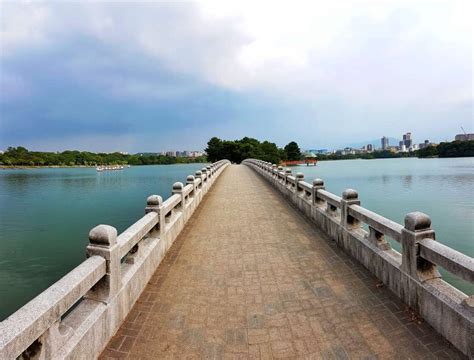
[(411, 274), (77, 316)]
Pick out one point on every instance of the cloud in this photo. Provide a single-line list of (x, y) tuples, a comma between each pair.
[(373, 67)]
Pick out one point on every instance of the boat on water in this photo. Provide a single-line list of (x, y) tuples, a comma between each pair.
[(109, 168)]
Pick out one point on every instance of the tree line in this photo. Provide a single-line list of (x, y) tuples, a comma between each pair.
[(238, 150), (448, 149), (20, 156)]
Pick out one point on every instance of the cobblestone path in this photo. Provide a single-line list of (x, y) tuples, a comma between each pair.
[(249, 277)]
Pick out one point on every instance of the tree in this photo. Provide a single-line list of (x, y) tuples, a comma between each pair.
[(214, 149), (292, 151), (270, 152)]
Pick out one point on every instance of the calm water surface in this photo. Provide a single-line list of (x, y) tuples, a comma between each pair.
[(46, 214)]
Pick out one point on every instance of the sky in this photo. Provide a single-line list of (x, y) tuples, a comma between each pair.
[(153, 76)]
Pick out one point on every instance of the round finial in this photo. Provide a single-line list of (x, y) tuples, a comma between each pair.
[(350, 194), (178, 186), (417, 221), (274, 165), (198, 173), (280, 168), (208, 168), (154, 200), (190, 178), (287, 171), (204, 170), (103, 235), (318, 182), (300, 176)]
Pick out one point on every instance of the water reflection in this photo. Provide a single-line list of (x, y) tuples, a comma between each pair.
[(407, 180)]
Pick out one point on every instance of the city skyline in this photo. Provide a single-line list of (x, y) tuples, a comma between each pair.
[(375, 145), (106, 76)]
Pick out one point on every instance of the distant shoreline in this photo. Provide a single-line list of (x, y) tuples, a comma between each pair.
[(27, 167), (17, 167)]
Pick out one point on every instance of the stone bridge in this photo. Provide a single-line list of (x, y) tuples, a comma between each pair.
[(268, 266)]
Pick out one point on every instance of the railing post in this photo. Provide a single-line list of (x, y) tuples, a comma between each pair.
[(417, 227), (190, 180), (279, 169), (299, 177), (205, 178), (209, 172), (198, 175), (103, 242), (274, 167), (349, 197), (318, 184), (155, 203), (287, 173), (178, 189)]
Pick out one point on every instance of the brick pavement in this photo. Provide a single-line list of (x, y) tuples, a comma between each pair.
[(249, 277)]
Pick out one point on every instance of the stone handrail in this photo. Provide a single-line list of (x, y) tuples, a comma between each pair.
[(42, 314), (453, 261), (412, 274), (377, 222), (77, 316)]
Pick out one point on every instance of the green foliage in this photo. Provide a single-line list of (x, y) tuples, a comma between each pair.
[(429, 151), (456, 149), (20, 156), (292, 151), (448, 149), (381, 154), (239, 150)]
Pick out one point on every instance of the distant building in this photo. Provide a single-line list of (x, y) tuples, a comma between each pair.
[(425, 144), (171, 153), (407, 140), (464, 137), (384, 142), (370, 148), (318, 151)]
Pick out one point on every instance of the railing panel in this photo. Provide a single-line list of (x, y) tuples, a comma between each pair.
[(21, 329), (188, 189), (131, 236), (170, 203), (376, 221), (453, 261), (305, 186), (329, 198)]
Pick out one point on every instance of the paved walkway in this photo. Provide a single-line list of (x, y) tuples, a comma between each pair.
[(250, 278)]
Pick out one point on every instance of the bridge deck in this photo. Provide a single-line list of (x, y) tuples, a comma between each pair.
[(250, 277)]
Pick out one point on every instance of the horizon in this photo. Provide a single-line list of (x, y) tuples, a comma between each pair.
[(376, 144), (108, 77)]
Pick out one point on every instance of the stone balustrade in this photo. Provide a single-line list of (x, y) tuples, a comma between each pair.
[(412, 275), (77, 316)]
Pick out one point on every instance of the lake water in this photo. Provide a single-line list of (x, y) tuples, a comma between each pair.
[(46, 214)]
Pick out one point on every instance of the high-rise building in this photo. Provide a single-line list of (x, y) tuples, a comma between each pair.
[(370, 148), (407, 140), (384, 143)]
